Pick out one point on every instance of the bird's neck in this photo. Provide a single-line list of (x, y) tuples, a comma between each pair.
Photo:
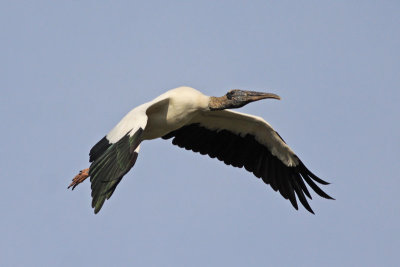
[(218, 103)]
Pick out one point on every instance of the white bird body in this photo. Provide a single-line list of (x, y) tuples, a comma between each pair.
[(166, 113), (202, 124)]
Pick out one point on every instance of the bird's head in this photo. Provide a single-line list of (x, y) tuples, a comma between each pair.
[(238, 98)]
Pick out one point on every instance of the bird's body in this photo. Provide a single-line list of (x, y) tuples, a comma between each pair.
[(200, 123), (162, 115)]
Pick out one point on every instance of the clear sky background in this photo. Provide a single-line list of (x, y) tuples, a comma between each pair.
[(71, 69)]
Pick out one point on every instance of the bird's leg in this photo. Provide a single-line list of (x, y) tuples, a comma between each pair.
[(79, 178)]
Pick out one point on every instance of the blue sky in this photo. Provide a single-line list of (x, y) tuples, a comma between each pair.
[(71, 69)]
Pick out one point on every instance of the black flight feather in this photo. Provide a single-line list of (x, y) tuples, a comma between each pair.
[(107, 169), (98, 149), (245, 151)]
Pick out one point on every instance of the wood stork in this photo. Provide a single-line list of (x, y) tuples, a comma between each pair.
[(202, 124)]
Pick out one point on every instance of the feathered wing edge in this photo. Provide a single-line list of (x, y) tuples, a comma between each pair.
[(111, 165), (99, 148), (114, 155), (245, 151)]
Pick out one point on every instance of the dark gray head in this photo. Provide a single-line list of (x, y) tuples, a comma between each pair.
[(238, 98)]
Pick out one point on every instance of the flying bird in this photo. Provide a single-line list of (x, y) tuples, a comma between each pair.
[(202, 124)]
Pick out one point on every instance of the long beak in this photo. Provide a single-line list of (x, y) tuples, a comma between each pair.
[(255, 96)]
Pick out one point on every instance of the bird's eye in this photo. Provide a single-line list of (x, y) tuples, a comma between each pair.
[(229, 95)]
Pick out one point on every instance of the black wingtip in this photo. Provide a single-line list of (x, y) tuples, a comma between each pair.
[(98, 204), (317, 179), (294, 203), (312, 175), (307, 206)]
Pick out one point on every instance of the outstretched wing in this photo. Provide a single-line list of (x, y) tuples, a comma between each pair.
[(243, 140), (114, 155), (107, 171)]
